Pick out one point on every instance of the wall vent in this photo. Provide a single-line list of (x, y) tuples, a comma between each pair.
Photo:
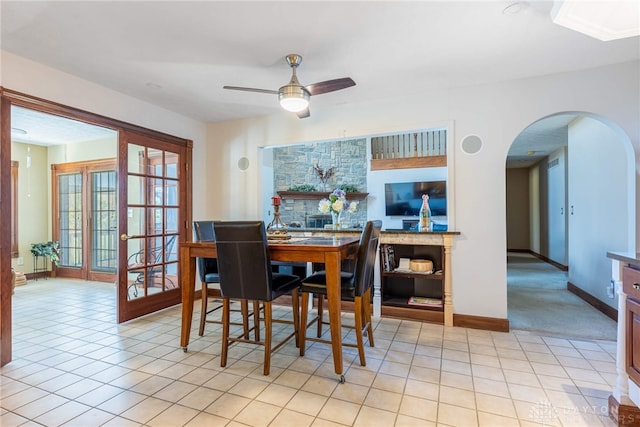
[(552, 163)]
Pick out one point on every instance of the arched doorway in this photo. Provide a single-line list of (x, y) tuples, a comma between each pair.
[(570, 199)]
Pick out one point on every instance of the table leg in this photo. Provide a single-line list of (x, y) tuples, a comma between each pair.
[(188, 272), (332, 267)]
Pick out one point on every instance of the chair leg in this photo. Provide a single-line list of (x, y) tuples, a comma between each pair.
[(256, 320), (320, 313), (367, 315), (358, 317), (244, 308), (225, 332), (295, 304), (304, 312), (267, 336), (203, 312)]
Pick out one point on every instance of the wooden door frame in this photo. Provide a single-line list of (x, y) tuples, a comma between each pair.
[(9, 98)]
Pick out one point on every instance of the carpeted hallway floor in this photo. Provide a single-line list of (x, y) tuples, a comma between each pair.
[(538, 301)]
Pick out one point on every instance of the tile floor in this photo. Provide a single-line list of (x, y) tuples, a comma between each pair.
[(74, 366)]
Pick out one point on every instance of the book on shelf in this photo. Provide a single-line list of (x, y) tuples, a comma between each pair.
[(423, 301), (388, 257)]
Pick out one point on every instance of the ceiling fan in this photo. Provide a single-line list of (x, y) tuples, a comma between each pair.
[(293, 96)]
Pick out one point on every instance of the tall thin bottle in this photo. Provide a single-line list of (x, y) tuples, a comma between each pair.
[(425, 214)]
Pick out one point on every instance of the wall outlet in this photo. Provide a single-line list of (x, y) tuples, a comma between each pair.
[(611, 290), (20, 261)]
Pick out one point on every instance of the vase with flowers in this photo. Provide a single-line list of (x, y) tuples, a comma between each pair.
[(335, 205)]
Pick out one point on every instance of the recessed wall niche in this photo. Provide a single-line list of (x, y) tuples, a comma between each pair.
[(295, 166)]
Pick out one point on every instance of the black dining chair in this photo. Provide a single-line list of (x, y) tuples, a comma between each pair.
[(246, 273), (356, 286), (208, 271)]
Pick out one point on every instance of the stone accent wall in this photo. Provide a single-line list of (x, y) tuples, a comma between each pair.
[(294, 165)]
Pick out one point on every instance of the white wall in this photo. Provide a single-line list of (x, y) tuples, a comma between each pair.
[(497, 113), (600, 216)]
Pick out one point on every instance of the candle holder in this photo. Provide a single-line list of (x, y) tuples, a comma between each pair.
[(277, 230)]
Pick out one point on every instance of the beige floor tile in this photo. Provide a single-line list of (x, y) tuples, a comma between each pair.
[(228, 405), (276, 394), (175, 391), (374, 417), (516, 364), (339, 411), (258, 414), (320, 385), (493, 420), (384, 400), (389, 383), (92, 417), (536, 413), (120, 422), (395, 369), (146, 410), (62, 414), (419, 408), (494, 388), (152, 385), (46, 403), (522, 378), (463, 368), (175, 415), (495, 405), (22, 397), (99, 395), (319, 422), (200, 398), (407, 421), (350, 392), (425, 390), (209, 420), (458, 397), (121, 402), (307, 403), (417, 374), (293, 379), (360, 375), (248, 388), (457, 380), (223, 381), (288, 418), (485, 360), (455, 415)]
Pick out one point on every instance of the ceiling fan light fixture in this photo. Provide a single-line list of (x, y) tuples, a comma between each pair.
[(293, 98)]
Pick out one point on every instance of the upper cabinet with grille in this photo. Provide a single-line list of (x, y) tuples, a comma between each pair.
[(409, 150)]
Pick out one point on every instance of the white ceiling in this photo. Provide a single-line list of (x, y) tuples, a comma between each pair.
[(179, 54)]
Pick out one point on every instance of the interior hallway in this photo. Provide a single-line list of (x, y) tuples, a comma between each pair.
[(538, 301), (74, 366)]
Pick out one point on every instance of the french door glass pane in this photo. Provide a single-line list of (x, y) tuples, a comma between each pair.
[(70, 214), (104, 221), (153, 212)]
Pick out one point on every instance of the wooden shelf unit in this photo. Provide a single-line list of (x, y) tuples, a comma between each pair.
[(395, 288)]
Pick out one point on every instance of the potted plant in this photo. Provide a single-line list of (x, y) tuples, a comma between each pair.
[(47, 249)]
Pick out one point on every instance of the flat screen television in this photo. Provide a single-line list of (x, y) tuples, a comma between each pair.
[(405, 198)]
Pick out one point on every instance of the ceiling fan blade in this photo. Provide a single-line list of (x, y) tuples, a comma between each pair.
[(251, 89), (304, 113), (330, 85)]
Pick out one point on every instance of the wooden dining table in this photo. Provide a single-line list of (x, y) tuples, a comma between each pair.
[(328, 250)]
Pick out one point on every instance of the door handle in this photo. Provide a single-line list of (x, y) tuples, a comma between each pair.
[(124, 236)]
